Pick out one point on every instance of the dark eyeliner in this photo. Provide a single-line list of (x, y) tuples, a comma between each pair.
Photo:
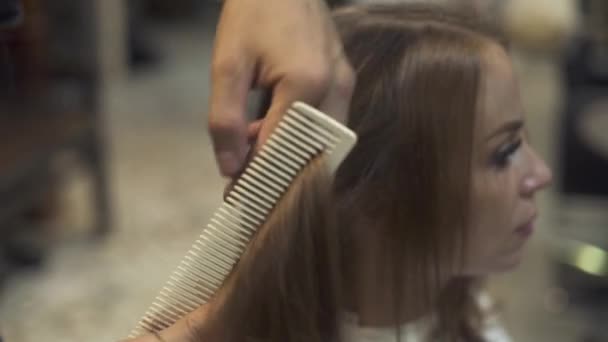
[(500, 159)]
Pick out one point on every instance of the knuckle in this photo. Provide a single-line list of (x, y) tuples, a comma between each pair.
[(314, 77), (222, 123), (223, 67), (345, 81)]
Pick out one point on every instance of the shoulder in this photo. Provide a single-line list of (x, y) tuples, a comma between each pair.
[(492, 328)]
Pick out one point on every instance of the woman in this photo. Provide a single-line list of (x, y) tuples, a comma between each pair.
[(437, 194)]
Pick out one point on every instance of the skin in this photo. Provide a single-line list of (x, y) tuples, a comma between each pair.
[(256, 47), (289, 47), (503, 205)]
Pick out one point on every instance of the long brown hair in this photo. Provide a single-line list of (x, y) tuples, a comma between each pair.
[(287, 284), (418, 74)]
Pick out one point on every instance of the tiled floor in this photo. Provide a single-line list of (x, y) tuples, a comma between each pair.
[(165, 185)]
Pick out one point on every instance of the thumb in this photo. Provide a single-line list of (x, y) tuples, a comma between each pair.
[(308, 88), (227, 119)]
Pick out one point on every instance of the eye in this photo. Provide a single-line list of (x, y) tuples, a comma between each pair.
[(502, 157)]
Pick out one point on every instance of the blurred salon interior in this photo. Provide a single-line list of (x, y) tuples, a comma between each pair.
[(107, 173)]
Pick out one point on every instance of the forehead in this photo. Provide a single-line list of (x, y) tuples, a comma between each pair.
[(499, 99)]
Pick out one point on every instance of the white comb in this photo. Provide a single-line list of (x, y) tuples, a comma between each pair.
[(302, 134)]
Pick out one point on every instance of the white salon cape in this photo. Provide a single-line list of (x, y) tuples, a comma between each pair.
[(418, 331)]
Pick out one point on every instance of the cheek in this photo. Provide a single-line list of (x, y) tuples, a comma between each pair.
[(493, 204), (494, 198)]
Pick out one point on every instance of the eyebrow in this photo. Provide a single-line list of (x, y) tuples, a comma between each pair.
[(511, 126)]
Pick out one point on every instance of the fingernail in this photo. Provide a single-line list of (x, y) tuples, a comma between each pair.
[(229, 164), (530, 183)]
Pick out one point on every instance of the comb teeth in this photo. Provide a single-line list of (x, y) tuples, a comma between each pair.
[(302, 134)]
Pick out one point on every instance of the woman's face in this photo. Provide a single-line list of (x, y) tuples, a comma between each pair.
[(506, 172)]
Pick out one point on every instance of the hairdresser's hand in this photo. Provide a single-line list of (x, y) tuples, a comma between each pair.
[(289, 47)]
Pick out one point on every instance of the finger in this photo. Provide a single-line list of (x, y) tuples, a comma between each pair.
[(337, 100), (231, 80), (228, 187), (233, 180), (308, 85), (253, 130)]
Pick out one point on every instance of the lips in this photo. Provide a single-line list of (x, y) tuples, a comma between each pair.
[(527, 228)]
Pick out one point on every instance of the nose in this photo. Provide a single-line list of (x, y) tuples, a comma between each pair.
[(538, 178)]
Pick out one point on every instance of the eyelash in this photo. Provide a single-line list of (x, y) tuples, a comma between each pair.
[(503, 156)]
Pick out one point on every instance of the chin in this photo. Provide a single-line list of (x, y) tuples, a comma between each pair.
[(508, 267), (509, 263), (504, 264)]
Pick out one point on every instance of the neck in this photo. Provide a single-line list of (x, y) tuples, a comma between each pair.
[(370, 291)]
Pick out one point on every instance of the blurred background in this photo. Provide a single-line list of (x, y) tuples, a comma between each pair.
[(107, 174)]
